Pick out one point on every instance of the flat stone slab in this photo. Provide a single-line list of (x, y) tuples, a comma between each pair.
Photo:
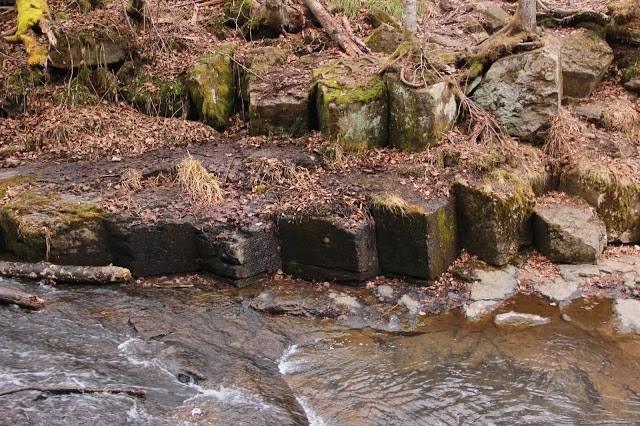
[(477, 310), (494, 285), (412, 305), (519, 319), (559, 290), (577, 272), (627, 313)]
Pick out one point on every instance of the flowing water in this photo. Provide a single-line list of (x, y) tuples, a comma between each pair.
[(205, 357)]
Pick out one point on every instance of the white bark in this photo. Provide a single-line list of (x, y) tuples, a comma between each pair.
[(525, 17), (410, 16)]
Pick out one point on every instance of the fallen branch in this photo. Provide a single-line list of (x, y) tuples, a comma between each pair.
[(20, 298), (66, 273), (571, 17), (61, 390), (335, 30)]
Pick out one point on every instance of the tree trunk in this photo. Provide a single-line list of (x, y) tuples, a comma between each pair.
[(20, 298), (64, 273), (525, 16), (410, 16)]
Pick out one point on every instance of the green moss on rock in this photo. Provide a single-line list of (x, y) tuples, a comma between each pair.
[(153, 96), (210, 83)]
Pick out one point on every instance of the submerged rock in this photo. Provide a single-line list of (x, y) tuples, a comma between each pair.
[(519, 319)]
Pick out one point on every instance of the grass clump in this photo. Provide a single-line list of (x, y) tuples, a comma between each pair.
[(131, 180), (196, 182)]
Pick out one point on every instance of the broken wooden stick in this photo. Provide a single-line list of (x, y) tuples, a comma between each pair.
[(66, 273), (20, 298), (60, 390), (336, 31)]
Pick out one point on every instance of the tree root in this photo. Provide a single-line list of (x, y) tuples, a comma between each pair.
[(62, 390), (571, 17)]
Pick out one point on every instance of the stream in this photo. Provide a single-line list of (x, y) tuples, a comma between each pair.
[(205, 357)]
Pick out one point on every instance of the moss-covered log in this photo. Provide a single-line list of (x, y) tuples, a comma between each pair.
[(66, 273), (20, 298), (32, 13)]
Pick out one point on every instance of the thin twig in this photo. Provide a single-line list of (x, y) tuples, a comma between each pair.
[(79, 390)]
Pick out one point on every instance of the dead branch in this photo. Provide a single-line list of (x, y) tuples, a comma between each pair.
[(336, 31), (66, 273), (61, 390), (570, 17), (20, 298)]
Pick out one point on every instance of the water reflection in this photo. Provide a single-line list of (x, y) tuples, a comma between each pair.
[(205, 358)]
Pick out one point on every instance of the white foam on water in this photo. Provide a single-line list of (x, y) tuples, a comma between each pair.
[(313, 417), (285, 366), (126, 349), (232, 397)]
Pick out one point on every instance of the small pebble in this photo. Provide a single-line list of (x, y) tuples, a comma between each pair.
[(566, 317)]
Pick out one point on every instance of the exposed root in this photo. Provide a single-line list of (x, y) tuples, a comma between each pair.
[(482, 127)]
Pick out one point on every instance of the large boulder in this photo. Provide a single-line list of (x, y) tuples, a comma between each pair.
[(567, 230), (61, 228), (585, 60), (494, 215), (419, 117), (524, 90), (418, 240), (384, 39), (90, 48), (615, 198), (351, 100), (323, 248), (211, 86)]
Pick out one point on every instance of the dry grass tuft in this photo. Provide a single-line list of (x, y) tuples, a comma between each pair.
[(196, 182), (131, 180), (391, 202), (563, 127)]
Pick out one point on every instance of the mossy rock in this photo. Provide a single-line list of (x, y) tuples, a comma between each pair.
[(90, 48), (625, 21), (79, 91), (153, 96), (616, 199), (351, 100), (87, 6), (419, 117), (19, 88), (258, 62), (67, 228), (211, 86), (377, 16), (585, 59), (238, 12), (494, 215), (384, 39)]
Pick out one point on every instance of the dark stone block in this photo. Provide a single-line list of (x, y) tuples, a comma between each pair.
[(239, 255), (156, 249), (323, 249), (420, 241)]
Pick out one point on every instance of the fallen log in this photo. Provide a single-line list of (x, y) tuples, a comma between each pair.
[(20, 298), (336, 31), (66, 273), (60, 390)]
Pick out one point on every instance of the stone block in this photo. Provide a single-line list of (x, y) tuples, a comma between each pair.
[(494, 216), (568, 231), (418, 241), (322, 248), (238, 255), (154, 249), (585, 59)]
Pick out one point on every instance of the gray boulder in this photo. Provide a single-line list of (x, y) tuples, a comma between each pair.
[(568, 231), (585, 60), (524, 91), (491, 16), (494, 216), (419, 117), (384, 39)]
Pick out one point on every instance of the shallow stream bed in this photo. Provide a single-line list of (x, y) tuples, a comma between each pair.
[(205, 357)]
